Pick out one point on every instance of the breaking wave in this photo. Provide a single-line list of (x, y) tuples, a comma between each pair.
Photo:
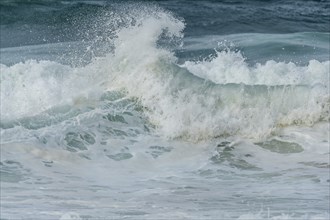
[(219, 96)]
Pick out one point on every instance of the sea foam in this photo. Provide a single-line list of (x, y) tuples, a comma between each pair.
[(217, 97)]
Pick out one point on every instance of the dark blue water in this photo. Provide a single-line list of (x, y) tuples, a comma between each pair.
[(24, 23), (39, 22)]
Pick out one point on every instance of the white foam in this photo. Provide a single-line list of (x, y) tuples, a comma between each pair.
[(231, 67), (275, 94), (283, 216), (70, 216), (180, 105), (32, 87)]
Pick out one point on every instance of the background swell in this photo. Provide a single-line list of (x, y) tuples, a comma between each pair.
[(39, 22)]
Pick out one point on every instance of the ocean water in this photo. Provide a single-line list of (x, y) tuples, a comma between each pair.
[(165, 109)]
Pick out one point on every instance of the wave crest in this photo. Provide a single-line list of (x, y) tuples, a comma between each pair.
[(195, 101)]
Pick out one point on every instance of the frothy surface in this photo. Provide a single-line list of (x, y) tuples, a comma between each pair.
[(140, 122)]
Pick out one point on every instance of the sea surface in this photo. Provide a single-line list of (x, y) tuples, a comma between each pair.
[(171, 109)]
